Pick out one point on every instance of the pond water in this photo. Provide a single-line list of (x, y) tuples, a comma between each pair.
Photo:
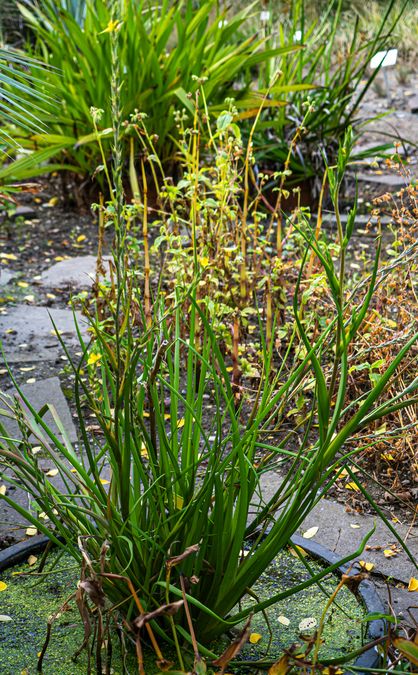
[(30, 599)]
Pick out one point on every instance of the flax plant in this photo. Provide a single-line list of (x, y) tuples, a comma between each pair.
[(165, 505), (184, 477)]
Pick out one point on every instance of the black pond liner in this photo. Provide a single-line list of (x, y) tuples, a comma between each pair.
[(18, 553)]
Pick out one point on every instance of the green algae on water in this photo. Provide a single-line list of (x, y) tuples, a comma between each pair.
[(30, 599)]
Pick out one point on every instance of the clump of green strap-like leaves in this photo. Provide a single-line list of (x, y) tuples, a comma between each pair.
[(175, 477)]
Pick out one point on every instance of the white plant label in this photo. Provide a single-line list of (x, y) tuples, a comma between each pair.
[(384, 59), (297, 35), (265, 15)]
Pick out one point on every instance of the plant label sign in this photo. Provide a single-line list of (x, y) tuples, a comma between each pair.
[(384, 59), (264, 15)]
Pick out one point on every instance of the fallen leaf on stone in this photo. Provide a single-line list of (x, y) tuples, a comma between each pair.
[(22, 284), (53, 201), (354, 526), (308, 624), (29, 298), (3, 489), (413, 584), (389, 553), (310, 533), (283, 620), (255, 637), (104, 481), (388, 457), (43, 515), (58, 258), (32, 560), (80, 238), (368, 566), (27, 369), (31, 531), (31, 380), (180, 423), (5, 617), (8, 256), (36, 449), (52, 472), (3, 586)]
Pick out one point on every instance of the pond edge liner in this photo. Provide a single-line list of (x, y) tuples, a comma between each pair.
[(366, 592), (18, 553)]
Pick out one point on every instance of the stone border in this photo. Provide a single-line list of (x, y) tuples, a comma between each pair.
[(367, 592), (17, 553)]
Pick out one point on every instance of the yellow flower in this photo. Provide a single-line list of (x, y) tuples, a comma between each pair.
[(93, 358)]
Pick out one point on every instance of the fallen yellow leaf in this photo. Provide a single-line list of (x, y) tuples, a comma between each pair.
[(413, 584), (352, 486), (104, 481), (32, 560), (180, 423), (294, 550), (53, 201), (52, 472), (388, 553), (255, 637), (22, 284), (81, 237), (3, 489), (31, 531), (368, 566), (283, 620), (354, 526), (310, 533), (3, 586)]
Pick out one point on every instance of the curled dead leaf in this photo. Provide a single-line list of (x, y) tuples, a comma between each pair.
[(165, 610), (176, 560)]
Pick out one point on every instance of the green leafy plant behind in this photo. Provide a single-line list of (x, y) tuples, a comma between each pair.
[(337, 72), (163, 49)]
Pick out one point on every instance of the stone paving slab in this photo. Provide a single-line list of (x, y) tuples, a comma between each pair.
[(335, 531), (27, 333), (384, 179), (39, 394), (74, 273), (5, 276)]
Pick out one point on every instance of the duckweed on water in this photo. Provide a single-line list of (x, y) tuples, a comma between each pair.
[(29, 600)]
